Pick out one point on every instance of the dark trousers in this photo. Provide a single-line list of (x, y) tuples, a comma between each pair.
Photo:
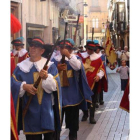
[(119, 62), (71, 119), (47, 136), (20, 127), (94, 101), (101, 96), (94, 97), (124, 84)]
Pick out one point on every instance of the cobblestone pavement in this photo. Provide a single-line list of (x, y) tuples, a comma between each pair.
[(112, 122)]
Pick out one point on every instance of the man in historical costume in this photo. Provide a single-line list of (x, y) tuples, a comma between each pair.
[(102, 56), (124, 104), (12, 63), (45, 110), (95, 73), (19, 52), (77, 90)]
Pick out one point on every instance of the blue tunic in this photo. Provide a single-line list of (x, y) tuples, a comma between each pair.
[(40, 115), (78, 90)]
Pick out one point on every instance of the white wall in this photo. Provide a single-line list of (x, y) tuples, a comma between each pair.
[(37, 12)]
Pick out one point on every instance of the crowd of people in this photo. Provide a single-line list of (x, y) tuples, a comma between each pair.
[(70, 82)]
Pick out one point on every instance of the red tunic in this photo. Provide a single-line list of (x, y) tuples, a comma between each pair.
[(125, 100), (12, 63), (14, 134), (20, 59), (91, 70)]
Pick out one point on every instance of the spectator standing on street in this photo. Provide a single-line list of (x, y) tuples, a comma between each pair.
[(125, 55), (119, 53), (123, 70)]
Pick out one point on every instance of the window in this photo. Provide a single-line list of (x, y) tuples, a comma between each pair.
[(95, 23), (121, 12)]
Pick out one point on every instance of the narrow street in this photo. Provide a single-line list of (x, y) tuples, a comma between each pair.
[(112, 122)]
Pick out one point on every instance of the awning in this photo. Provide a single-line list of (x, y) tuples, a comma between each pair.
[(35, 29)]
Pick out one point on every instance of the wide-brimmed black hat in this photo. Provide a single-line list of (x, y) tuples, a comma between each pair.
[(17, 42), (91, 45), (48, 49), (99, 47), (36, 41), (68, 44)]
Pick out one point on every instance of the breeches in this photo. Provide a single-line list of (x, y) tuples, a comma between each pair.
[(71, 117)]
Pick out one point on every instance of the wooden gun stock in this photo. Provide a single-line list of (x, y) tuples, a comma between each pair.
[(65, 78)]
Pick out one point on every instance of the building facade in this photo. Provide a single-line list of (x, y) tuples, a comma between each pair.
[(119, 22), (16, 7), (97, 17), (40, 18)]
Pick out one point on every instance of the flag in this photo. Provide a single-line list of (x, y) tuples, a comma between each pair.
[(15, 24), (124, 104), (110, 53)]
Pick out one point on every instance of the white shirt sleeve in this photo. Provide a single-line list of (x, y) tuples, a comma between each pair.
[(49, 84), (119, 68), (100, 74), (21, 91), (75, 63)]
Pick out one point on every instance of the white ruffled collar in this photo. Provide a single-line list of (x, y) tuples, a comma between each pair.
[(26, 65), (20, 53), (93, 56), (84, 54), (100, 53)]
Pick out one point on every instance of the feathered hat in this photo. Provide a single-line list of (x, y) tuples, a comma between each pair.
[(68, 44), (17, 42), (96, 42)]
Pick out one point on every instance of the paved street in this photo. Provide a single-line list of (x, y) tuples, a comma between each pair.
[(112, 122)]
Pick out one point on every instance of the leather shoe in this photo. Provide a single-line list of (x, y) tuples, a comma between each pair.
[(97, 105), (101, 102), (84, 118), (92, 121)]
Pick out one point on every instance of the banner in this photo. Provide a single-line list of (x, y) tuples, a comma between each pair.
[(110, 52)]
